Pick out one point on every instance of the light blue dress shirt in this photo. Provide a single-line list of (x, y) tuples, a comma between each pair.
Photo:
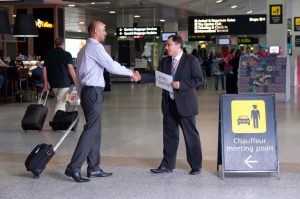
[(91, 61)]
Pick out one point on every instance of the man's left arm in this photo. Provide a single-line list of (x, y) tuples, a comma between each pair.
[(196, 76)]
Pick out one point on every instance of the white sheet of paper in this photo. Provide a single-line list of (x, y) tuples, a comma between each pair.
[(163, 81)]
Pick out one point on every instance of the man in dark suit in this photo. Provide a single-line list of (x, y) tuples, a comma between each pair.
[(180, 107)]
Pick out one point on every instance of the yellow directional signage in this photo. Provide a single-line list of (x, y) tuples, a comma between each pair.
[(276, 14), (248, 116), (297, 21), (276, 10)]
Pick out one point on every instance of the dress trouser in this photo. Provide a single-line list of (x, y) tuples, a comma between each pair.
[(171, 122), (88, 146)]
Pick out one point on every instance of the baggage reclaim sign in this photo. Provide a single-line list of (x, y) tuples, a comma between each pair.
[(248, 133), (138, 31)]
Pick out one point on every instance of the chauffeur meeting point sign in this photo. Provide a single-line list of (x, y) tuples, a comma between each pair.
[(248, 134)]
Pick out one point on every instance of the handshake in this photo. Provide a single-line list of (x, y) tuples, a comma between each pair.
[(136, 76)]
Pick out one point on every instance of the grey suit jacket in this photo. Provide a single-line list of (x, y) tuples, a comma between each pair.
[(190, 76)]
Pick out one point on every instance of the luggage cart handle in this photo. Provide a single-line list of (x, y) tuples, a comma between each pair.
[(66, 133), (42, 94)]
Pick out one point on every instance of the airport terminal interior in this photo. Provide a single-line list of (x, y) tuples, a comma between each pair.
[(132, 120)]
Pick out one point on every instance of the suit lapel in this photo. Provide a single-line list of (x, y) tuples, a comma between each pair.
[(180, 66), (168, 66)]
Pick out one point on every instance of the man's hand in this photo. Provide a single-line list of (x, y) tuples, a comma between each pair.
[(136, 76), (175, 85)]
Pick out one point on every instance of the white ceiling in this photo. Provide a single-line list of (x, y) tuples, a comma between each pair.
[(151, 11)]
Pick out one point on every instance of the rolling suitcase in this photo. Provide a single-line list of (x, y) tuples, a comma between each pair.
[(35, 115), (40, 156), (63, 119)]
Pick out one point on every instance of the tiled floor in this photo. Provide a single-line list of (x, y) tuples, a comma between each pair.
[(132, 144)]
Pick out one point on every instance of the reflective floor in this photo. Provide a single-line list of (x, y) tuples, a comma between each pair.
[(132, 144)]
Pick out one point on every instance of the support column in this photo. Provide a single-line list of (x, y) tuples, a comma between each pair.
[(277, 33), (171, 26), (294, 5), (125, 20)]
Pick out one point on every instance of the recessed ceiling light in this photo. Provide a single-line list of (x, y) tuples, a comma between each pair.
[(136, 16), (112, 12), (249, 11), (71, 5), (219, 1), (234, 6), (93, 3), (162, 20)]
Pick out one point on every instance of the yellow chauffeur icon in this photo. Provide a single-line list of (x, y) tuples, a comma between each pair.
[(248, 116)]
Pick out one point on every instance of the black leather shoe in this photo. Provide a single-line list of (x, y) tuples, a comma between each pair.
[(97, 173), (76, 176), (195, 171), (161, 170)]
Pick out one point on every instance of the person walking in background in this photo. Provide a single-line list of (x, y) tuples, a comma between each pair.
[(180, 107), (59, 72), (232, 78), (219, 72), (212, 62), (91, 61)]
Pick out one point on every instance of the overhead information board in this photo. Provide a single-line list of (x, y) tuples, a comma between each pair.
[(227, 25), (248, 133), (138, 31)]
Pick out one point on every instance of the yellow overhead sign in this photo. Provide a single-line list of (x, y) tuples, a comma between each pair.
[(276, 10)]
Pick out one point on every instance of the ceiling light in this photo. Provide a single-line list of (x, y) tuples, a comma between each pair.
[(249, 12), (234, 6), (81, 22), (162, 20), (93, 3), (219, 1), (71, 5), (112, 12), (136, 16)]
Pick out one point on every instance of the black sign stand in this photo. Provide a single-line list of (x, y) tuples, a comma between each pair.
[(247, 134)]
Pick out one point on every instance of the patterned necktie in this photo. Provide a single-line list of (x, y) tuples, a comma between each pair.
[(173, 70), (174, 65)]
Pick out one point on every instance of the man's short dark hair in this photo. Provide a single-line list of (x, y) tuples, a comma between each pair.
[(177, 39), (59, 41)]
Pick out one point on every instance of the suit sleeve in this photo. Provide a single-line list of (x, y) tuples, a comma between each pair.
[(196, 76)]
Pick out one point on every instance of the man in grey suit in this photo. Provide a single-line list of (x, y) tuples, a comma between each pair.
[(180, 107)]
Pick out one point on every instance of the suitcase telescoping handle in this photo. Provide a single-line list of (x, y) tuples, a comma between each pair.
[(66, 133), (42, 94)]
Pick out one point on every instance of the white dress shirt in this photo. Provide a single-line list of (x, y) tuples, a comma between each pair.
[(91, 61)]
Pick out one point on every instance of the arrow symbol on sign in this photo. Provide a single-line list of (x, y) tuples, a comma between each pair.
[(247, 161)]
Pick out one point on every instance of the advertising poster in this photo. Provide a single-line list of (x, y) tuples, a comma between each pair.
[(265, 74)]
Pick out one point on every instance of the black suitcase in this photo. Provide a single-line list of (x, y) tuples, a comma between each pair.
[(63, 119), (35, 115), (40, 156)]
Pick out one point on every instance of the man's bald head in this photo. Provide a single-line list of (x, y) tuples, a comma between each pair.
[(97, 31)]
